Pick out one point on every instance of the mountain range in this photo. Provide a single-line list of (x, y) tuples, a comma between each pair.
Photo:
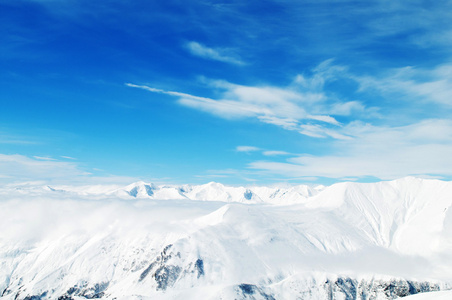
[(381, 240)]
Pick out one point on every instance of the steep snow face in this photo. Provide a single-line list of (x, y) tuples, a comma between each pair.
[(346, 241), (406, 215), (140, 189)]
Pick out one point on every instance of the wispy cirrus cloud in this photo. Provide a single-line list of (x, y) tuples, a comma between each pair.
[(275, 153), (278, 106), (302, 106), (429, 85), (319, 131), (24, 168), (44, 158), (218, 54), (16, 140), (20, 168), (246, 149), (311, 107), (265, 152), (68, 157)]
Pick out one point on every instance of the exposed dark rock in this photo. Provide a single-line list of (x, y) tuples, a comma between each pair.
[(134, 192), (395, 289), (95, 292), (352, 289), (248, 194), (199, 265), (168, 267), (165, 251), (6, 292), (146, 271), (348, 287), (159, 260), (166, 276), (36, 297), (248, 290)]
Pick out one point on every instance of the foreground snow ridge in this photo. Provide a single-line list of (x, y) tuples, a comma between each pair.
[(381, 240)]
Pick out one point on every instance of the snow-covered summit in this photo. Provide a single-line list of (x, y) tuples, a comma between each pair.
[(211, 191)]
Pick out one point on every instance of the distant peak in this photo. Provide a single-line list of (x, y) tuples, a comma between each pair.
[(140, 183), (214, 184)]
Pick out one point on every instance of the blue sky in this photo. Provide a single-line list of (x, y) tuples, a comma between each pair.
[(239, 92)]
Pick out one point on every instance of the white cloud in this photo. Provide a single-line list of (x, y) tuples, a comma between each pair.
[(326, 119), (286, 123), (325, 71), (223, 55), (346, 108), (19, 168), (275, 153), (420, 149), (304, 105), (246, 149), (68, 157), (288, 107), (432, 85), (264, 152), (43, 158), (227, 109), (319, 131), (171, 93), (24, 168)]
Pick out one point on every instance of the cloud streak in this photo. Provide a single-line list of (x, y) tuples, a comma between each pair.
[(246, 149), (275, 153), (223, 55)]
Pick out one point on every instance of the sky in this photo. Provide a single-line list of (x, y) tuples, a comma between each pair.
[(237, 92)]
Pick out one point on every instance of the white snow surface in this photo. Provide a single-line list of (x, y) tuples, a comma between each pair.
[(213, 241), (442, 295)]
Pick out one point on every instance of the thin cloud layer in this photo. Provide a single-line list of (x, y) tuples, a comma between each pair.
[(23, 168), (275, 153), (246, 148), (428, 85), (20, 168), (421, 149), (222, 55)]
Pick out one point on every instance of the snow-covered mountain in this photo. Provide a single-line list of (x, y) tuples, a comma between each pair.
[(346, 241), (212, 191)]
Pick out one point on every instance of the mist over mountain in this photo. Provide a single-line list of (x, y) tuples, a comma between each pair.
[(380, 240)]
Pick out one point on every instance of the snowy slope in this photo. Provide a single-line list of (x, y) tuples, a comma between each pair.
[(345, 241), (442, 295)]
